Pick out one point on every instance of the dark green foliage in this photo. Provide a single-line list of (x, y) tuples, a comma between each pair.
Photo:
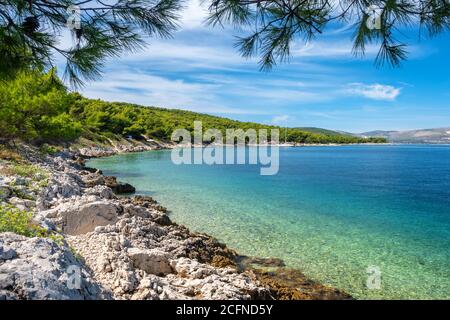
[(30, 31), (322, 131), (34, 107)]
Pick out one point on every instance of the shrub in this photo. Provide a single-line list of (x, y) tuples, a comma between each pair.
[(25, 170), (47, 149), (20, 222), (33, 108)]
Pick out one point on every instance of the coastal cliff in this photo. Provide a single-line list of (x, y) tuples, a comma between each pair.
[(120, 247)]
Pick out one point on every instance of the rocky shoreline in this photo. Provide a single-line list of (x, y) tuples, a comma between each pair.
[(89, 149), (99, 245)]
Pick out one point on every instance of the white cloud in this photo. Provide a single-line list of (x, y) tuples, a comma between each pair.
[(193, 15), (281, 119), (136, 87), (238, 97), (374, 91), (189, 54), (271, 89), (329, 49), (279, 95)]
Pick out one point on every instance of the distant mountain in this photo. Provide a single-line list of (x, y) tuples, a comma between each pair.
[(377, 133), (436, 135)]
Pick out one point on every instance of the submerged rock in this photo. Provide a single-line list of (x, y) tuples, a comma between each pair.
[(246, 262), (290, 284), (118, 187)]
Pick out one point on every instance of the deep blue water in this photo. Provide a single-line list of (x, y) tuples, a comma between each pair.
[(331, 212)]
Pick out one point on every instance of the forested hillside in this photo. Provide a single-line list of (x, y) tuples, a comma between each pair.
[(36, 107)]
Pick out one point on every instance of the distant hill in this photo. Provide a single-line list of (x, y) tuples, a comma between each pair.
[(436, 135), (377, 133), (324, 131)]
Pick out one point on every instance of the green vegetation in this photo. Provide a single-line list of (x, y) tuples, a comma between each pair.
[(20, 222), (110, 118), (25, 170), (37, 177), (36, 107), (322, 131), (31, 31), (47, 149), (276, 25)]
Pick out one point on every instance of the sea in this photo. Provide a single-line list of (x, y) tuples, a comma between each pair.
[(372, 220)]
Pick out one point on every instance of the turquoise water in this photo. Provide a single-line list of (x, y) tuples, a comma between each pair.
[(330, 211)]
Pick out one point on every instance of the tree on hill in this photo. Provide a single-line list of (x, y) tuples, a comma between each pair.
[(34, 107), (30, 30)]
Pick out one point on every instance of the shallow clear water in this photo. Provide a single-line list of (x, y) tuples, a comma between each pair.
[(330, 211)]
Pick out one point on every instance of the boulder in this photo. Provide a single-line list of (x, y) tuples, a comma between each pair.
[(61, 186), (151, 261), (136, 210), (6, 253), (37, 268), (124, 188), (100, 191), (22, 204), (163, 220), (77, 217), (92, 180), (118, 187)]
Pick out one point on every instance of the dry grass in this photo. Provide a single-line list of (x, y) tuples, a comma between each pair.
[(9, 154)]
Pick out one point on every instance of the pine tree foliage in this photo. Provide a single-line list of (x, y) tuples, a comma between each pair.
[(31, 30), (274, 25)]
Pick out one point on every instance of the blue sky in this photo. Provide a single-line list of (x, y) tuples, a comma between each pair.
[(322, 86)]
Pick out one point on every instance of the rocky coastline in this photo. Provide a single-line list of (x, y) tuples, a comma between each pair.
[(97, 244)]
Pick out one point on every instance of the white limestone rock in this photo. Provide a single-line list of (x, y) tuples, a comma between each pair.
[(37, 268), (152, 261), (80, 216)]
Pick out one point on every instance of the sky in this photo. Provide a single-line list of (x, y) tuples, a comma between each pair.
[(323, 85)]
